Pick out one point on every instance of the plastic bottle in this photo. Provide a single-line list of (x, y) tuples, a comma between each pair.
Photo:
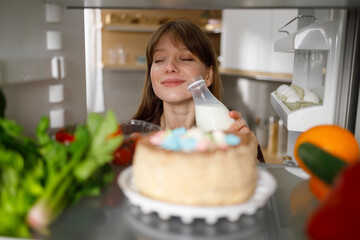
[(210, 113), (273, 135), (282, 139)]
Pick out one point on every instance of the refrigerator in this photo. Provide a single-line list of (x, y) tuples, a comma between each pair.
[(42, 63), (325, 62), (326, 58)]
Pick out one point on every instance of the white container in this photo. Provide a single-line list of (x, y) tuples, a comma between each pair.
[(212, 117), (210, 113)]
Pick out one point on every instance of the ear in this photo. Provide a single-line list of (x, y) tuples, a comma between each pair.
[(209, 76)]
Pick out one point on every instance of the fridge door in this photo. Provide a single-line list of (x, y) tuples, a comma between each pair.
[(318, 61), (42, 54)]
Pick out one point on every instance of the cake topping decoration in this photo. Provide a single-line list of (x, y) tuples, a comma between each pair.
[(193, 139)]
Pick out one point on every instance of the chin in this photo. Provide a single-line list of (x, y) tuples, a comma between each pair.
[(177, 99)]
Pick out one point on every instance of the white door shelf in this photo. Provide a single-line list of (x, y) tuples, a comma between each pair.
[(313, 37), (13, 71), (317, 54), (301, 119)]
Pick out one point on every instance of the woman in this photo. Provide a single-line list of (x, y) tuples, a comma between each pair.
[(177, 52)]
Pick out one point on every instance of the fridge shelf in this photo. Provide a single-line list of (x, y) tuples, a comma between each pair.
[(312, 38), (14, 71), (302, 119)]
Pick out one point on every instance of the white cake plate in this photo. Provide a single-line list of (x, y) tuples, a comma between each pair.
[(266, 186)]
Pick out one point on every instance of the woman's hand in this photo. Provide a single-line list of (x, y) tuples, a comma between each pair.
[(239, 127)]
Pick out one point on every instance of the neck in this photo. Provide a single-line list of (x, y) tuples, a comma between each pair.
[(175, 116)]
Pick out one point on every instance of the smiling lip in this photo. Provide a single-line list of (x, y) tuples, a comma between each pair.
[(172, 82)]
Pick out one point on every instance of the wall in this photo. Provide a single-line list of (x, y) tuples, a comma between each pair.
[(122, 91), (247, 43), (23, 37), (248, 36)]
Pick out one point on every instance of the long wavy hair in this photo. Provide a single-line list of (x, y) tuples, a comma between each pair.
[(198, 43)]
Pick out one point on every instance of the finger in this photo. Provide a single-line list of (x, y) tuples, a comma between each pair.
[(235, 114), (244, 131), (237, 125)]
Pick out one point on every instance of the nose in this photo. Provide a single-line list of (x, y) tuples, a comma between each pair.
[(171, 66)]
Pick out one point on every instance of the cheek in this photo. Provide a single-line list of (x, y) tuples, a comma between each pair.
[(156, 89), (154, 77), (153, 72), (197, 70)]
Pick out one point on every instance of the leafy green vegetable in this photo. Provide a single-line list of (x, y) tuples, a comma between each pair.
[(21, 178), (2, 103), (40, 178)]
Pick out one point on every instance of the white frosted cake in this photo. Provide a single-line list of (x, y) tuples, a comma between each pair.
[(190, 167)]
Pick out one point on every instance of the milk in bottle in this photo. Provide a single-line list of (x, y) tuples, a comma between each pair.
[(210, 113)]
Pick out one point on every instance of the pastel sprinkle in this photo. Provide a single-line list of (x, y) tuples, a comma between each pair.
[(232, 139), (179, 131), (202, 145), (219, 137), (157, 138), (171, 143), (193, 139), (188, 144)]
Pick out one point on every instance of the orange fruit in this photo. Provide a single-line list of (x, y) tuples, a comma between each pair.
[(336, 141), (333, 139), (319, 188)]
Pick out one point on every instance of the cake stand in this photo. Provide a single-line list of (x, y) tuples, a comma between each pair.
[(266, 186)]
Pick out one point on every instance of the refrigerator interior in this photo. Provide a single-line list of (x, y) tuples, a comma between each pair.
[(318, 67), (320, 52), (42, 64)]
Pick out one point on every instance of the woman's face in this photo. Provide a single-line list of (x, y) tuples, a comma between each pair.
[(172, 67)]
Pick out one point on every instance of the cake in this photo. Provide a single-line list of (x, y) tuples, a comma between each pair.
[(190, 167)]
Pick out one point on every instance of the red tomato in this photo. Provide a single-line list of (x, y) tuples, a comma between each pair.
[(63, 136), (122, 155)]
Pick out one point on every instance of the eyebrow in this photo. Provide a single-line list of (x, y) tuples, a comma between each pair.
[(158, 50)]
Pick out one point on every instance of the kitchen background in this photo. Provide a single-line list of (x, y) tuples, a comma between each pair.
[(93, 60)]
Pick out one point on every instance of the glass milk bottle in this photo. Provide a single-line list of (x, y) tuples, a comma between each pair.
[(210, 113)]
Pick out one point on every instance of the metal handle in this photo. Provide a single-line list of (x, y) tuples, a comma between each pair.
[(296, 18)]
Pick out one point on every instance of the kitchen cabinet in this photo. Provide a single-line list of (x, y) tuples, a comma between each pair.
[(125, 33)]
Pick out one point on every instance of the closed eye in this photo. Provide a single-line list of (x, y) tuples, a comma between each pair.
[(187, 59), (158, 61)]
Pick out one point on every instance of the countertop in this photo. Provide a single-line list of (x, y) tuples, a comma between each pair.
[(111, 216)]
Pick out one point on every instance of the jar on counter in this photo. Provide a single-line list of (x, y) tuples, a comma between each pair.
[(121, 55)]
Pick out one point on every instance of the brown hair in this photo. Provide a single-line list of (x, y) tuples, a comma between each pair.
[(188, 33)]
